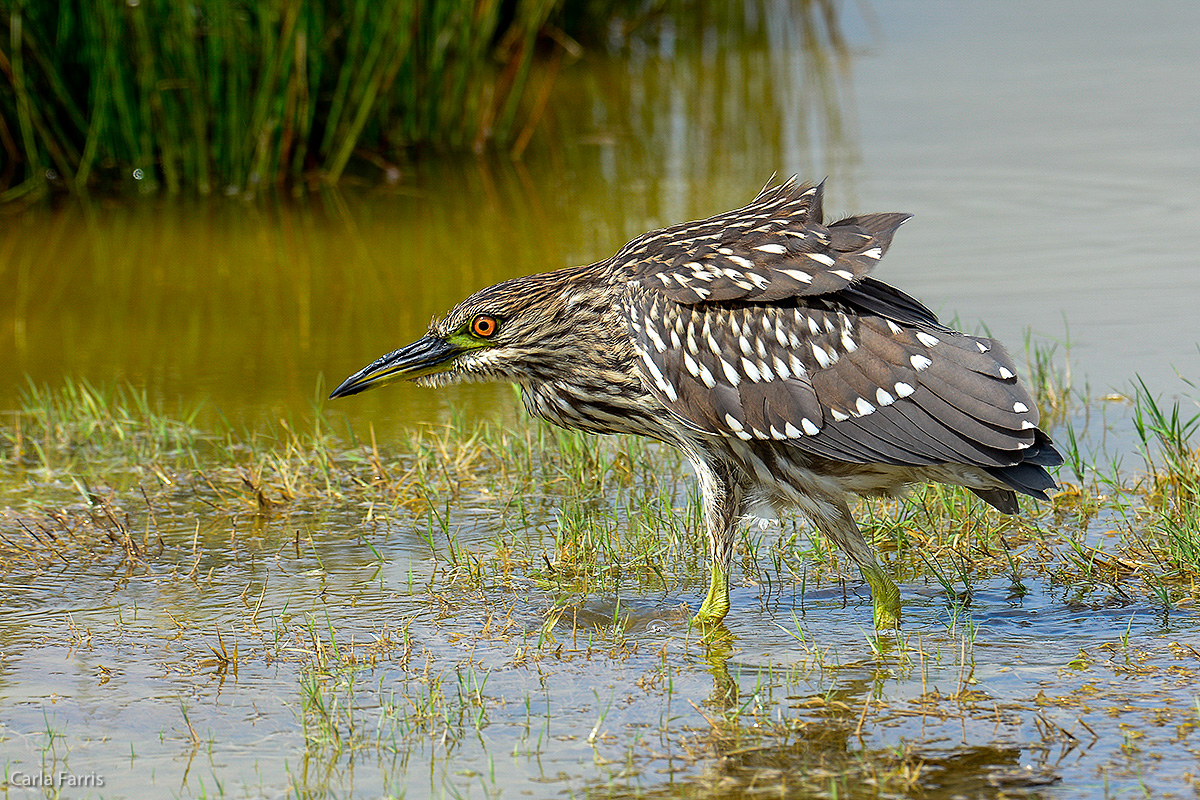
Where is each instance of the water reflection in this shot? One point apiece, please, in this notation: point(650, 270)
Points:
point(716, 103)
point(254, 305)
point(245, 306)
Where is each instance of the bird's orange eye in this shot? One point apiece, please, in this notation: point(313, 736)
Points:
point(485, 327)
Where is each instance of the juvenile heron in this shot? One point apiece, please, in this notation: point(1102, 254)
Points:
point(756, 342)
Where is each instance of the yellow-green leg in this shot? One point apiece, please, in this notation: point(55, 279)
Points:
point(885, 596)
point(716, 605)
point(723, 501)
point(835, 522)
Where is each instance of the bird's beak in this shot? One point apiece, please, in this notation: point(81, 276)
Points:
point(423, 357)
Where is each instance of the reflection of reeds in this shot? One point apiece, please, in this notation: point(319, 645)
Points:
point(730, 91)
point(221, 94)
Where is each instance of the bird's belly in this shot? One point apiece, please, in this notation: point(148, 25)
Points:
point(790, 474)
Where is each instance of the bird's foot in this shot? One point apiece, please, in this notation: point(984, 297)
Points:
point(885, 596)
point(716, 605)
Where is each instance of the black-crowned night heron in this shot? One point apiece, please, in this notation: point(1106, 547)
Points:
point(755, 342)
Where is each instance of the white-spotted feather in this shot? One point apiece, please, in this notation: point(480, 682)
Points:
point(781, 336)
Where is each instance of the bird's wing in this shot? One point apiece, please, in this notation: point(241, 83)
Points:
point(762, 323)
point(844, 384)
point(775, 247)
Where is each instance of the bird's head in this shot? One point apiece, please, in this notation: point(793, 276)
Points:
point(503, 332)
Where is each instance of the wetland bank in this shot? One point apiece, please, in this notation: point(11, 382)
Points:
point(214, 584)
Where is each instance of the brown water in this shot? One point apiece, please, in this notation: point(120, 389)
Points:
point(1052, 160)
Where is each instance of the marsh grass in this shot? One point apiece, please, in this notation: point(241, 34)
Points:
point(229, 96)
point(381, 694)
point(1172, 480)
point(241, 98)
point(84, 422)
point(1048, 367)
point(577, 515)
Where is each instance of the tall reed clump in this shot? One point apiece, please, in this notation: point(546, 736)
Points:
point(229, 95)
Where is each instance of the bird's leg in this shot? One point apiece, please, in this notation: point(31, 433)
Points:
point(835, 522)
point(722, 503)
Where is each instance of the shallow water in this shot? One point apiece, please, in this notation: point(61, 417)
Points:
point(365, 666)
point(1052, 164)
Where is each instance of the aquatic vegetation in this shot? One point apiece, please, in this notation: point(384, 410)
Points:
point(578, 512)
point(474, 603)
point(226, 96)
point(1173, 481)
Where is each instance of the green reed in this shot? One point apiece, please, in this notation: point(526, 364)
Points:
point(1173, 475)
point(82, 421)
point(228, 95)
